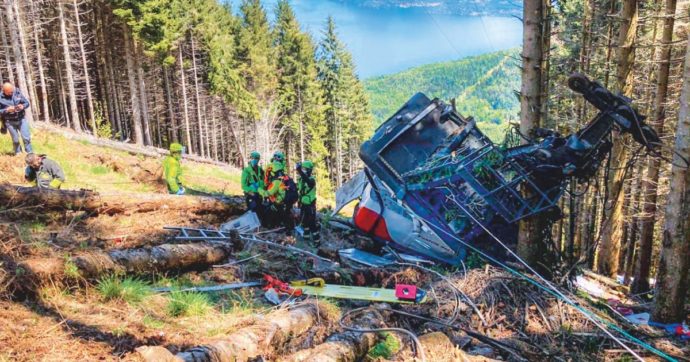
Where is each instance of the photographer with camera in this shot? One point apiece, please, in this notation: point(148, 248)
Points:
point(13, 107)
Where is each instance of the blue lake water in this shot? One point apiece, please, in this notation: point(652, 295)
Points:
point(388, 40)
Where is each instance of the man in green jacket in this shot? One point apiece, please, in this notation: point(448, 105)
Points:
point(172, 169)
point(43, 172)
point(274, 193)
point(252, 181)
point(306, 191)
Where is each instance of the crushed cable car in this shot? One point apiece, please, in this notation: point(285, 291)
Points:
point(433, 183)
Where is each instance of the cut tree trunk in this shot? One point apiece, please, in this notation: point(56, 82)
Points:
point(83, 200)
point(260, 339)
point(342, 347)
point(145, 261)
point(161, 258)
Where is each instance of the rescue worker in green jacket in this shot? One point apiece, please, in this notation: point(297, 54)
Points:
point(306, 191)
point(252, 181)
point(43, 172)
point(277, 211)
point(172, 170)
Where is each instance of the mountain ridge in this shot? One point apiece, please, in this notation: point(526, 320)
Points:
point(483, 86)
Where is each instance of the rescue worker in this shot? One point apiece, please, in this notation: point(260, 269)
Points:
point(276, 210)
point(44, 173)
point(252, 181)
point(172, 170)
point(13, 107)
point(306, 191)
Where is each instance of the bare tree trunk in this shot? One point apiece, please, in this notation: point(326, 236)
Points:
point(133, 90)
point(610, 243)
point(69, 74)
point(169, 105)
point(85, 68)
point(41, 72)
point(532, 230)
point(6, 46)
point(12, 25)
point(104, 80)
point(138, 55)
point(214, 128)
point(26, 61)
point(644, 260)
point(184, 103)
point(674, 261)
point(202, 149)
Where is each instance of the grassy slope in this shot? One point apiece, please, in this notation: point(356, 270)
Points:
point(106, 170)
point(483, 86)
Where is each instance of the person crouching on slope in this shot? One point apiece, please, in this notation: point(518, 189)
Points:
point(44, 173)
point(276, 207)
point(306, 189)
point(252, 181)
point(172, 170)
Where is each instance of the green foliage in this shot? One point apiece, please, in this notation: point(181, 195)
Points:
point(103, 126)
point(99, 170)
point(346, 103)
point(71, 269)
point(483, 85)
point(385, 348)
point(188, 304)
point(130, 290)
point(255, 56)
point(474, 261)
point(152, 322)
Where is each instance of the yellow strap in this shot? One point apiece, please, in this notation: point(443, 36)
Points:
point(315, 282)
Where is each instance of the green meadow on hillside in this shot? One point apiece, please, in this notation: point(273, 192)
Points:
point(484, 87)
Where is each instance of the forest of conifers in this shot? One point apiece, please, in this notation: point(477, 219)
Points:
point(157, 71)
point(633, 220)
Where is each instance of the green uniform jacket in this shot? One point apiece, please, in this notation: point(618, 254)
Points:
point(275, 191)
point(252, 180)
point(307, 193)
point(48, 176)
point(172, 172)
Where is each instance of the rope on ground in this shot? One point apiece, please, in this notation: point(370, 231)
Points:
point(549, 288)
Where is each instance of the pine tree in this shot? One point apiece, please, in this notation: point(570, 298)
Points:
point(344, 101)
point(256, 59)
point(299, 95)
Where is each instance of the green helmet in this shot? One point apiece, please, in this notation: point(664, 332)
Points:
point(308, 164)
point(277, 166)
point(176, 147)
point(279, 156)
point(255, 155)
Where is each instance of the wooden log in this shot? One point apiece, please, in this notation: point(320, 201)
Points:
point(342, 347)
point(159, 258)
point(274, 330)
point(84, 200)
point(166, 257)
